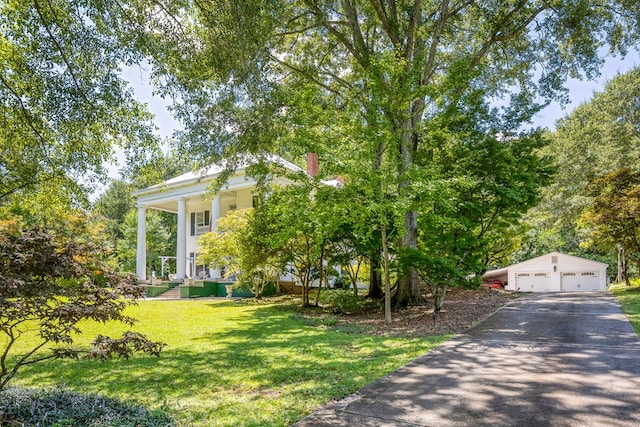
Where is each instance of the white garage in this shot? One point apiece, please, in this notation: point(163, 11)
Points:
point(553, 272)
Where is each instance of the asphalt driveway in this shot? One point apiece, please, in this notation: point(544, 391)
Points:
point(562, 359)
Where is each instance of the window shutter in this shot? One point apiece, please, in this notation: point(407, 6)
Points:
point(206, 218)
point(193, 223)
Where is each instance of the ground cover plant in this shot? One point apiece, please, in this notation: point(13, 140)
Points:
point(235, 363)
point(61, 407)
point(629, 297)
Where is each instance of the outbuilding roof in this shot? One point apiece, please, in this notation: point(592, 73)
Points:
point(502, 272)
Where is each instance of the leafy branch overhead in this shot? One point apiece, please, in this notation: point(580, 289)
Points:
point(50, 282)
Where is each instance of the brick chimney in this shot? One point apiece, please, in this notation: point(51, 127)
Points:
point(313, 166)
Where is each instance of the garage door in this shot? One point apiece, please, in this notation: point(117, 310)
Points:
point(586, 281)
point(532, 282)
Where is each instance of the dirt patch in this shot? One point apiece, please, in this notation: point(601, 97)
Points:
point(462, 309)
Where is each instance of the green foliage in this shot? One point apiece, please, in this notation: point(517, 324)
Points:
point(113, 205)
point(599, 137)
point(612, 217)
point(49, 283)
point(368, 86)
point(63, 407)
point(342, 301)
point(288, 223)
point(237, 245)
point(65, 106)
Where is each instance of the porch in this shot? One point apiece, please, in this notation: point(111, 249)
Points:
point(200, 289)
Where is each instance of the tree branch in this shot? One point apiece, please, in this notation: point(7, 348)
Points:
point(322, 18)
point(62, 54)
point(389, 28)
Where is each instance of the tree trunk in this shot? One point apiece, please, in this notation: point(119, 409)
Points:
point(320, 276)
point(375, 279)
point(625, 271)
point(387, 276)
point(408, 292)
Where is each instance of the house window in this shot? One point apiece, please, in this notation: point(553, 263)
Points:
point(200, 222)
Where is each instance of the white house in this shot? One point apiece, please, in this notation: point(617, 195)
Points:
point(553, 272)
point(190, 198)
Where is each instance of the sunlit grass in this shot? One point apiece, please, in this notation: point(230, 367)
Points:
point(629, 297)
point(234, 364)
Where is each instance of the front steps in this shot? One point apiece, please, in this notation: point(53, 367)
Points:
point(173, 293)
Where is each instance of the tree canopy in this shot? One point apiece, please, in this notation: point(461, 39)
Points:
point(613, 216)
point(65, 107)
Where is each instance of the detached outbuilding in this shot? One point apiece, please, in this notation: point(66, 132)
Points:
point(553, 272)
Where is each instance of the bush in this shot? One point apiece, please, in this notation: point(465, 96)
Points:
point(341, 301)
point(62, 407)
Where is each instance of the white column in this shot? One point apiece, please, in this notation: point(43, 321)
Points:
point(141, 248)
point(215, 273)
point(215, 212)
point(181, 247)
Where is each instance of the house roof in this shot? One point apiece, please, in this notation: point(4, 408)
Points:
point(212, 171)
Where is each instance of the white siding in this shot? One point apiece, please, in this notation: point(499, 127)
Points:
point(592, 274)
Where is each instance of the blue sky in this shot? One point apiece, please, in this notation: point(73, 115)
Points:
point(581, 91)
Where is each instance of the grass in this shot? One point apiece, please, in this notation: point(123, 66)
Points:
point(234, 364)
point(629, 297)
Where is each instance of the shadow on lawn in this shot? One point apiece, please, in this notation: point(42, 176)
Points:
point(271, 357)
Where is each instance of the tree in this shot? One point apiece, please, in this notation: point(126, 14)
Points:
point(49, 283)
point(277, 74)
point(236, 246)
point(614, 214)
point(114, 205)
point(64, 104)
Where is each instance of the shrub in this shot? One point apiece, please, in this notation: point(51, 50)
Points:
point(341, 301)
point(52, 281)
point(63, 407)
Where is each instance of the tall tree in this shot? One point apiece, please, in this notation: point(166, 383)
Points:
point(268, 74)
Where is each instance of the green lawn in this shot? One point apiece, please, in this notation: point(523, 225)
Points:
point(630, 300)
point(235, 364)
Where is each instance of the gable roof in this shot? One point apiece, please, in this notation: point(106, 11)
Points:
point(559, 254)
point(214, 170)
